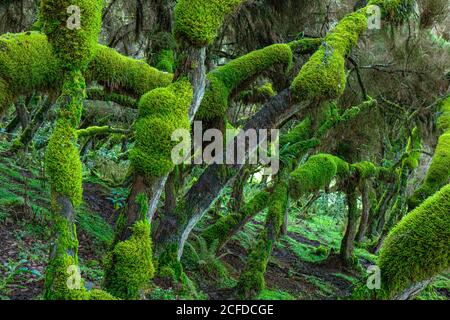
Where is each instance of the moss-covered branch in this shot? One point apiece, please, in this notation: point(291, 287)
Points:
point(198, 21)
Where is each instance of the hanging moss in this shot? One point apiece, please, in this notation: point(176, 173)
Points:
point(197, 21)
point(413, 150)
point(161, 112)
point(317, 173)
point(418, 247)
point(223, 80)
point(324, 74)
point(74, 47)
point(130, 266)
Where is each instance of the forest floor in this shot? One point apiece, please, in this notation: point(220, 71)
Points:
point(300, 266)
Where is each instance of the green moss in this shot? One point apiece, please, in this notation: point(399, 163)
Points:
point(413, 149)
point(444, 117)
point(64, 257)
point(438, 173)
point(365, 170)
point(115, 70)
point(227, 225)
point(26, 64)
point(161, 112)
point(165, 60)
point(197, 21)
point(63, 163)
point(130, 265)
point(323, 76)
point(101, 295)
point(251, 281)
point(300, 132)
point(74, 47)
point(62, 158)
point(317, 173)
point(418, 247)
point(223, 80)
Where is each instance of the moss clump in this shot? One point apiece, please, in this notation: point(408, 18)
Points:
point(444, 117)
point(413, 150)
point(418, 247)
point(300, 132)
point(197, 21)
point(317, 173)
point(165, 61)
point(323, 76)
point(439, 171)
point(161, 112)
point(251, 281)
point(395, 11)
point(130, 265)
point(114, 70)
point(223, 80)
point(226, 226)
point(26, 64)
point(73, 46)
point(62, 157)
point(5, 96)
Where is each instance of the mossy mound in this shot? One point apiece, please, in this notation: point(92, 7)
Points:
point(161, 112)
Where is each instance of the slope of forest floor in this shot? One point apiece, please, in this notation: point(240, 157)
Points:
point(298, 269)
